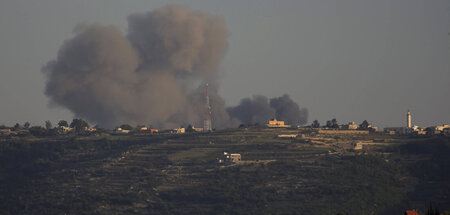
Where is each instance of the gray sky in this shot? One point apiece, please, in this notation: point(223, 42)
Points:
point(348, 59)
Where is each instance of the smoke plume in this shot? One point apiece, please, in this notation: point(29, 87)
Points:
point(149, 76)
point(143, 78)
point(286, 109)
point(258, 110)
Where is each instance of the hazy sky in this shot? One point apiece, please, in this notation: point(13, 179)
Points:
point(348, 59)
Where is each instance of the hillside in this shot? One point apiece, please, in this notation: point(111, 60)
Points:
point(178, 174)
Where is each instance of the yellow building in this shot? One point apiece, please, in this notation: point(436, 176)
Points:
point(277, 124)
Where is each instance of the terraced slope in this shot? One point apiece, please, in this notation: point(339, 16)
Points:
point(178, 174)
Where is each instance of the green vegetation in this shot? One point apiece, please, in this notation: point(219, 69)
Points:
point(178, 174)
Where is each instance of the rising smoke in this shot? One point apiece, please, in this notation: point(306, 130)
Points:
point(149, 75)
point(259, 109)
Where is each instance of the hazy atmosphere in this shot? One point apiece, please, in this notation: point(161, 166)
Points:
point(349, 60)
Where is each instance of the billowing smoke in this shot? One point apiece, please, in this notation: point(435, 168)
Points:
point(288, 110)
point(143, 78)
point(258, 110)
point(149, 76)
point(252, 110)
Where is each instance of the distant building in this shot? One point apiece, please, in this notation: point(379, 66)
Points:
point(408, 119)
point(372, 128)
point(395, 130)
point(409, 212)
point(146, 129)
point(441, 128)
point(198, 129)
point(121, 131)
point(287, 135)
point(277, 124)
point(179, 130)
point(231, 158)
point(5, 131)
point(152, 130)
point(357, 146)
point(89, 129)
point(350, 126)
point(64, 129)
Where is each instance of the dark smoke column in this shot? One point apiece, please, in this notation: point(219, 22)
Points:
point(207, 121)
point(145, 77)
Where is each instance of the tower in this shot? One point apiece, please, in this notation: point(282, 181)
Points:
point(207, 121)
point(408, 119)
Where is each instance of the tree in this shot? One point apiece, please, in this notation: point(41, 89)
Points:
point(364, 125)
point(189, 128)
point(315, 124)
point(79, 124)
point(17, 126)
point(48, 125)
point(126, 127)
point(26, 125)
point(329, 124)
point(432, 211)
point(334, 123)
point(38, 131)
point(63, 123)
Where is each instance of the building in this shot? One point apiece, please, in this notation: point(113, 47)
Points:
point(372, 128)
point(350, 126)
point(197, 129)
point(409, 212)
point(441, 128)
point(408, 129)
point(121, 131)
point(357, 146)
point(87, 129)
point(146, 129)
point(274, 123)
point(207, 126)
point(5, 131)
point(179, 130)
point(231, 158)
point(64, 129)
point(395, 130)
point(152, 130)
point(408, 120)
point(287, 135)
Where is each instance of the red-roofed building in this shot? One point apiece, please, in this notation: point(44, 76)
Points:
point(411, 213)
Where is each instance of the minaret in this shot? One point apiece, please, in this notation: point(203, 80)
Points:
point(408, 119)
point(207, 121)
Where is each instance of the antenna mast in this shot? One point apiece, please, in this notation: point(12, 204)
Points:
point(207, 121)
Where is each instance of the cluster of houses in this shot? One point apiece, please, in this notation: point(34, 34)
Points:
point(409, 129)
point(349, 128)
point(183, 130)
point(353, 128)
point(141, 129)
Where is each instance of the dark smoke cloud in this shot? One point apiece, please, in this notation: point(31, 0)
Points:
point(144, 78)
point(179, 40)
point(149, 75)
point(252, 110)
point(259, 110)
point(287, 110)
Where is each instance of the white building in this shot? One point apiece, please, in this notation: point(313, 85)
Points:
point(408, 119)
